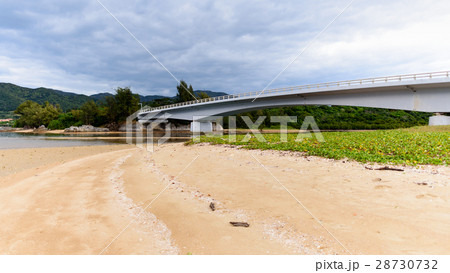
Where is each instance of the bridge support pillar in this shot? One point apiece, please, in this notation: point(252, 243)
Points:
point(202, 126)
point(439, 119)
point(206, 126)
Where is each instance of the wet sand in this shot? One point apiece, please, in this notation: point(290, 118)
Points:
point(126, 200)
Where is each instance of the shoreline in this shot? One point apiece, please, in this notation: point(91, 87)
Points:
point(75, 200)
point(112, 137)
point(238, 131)
point(20, 160)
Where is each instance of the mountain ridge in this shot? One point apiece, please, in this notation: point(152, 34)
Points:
point(13, 95)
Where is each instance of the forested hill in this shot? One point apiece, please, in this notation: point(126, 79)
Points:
point(210, 93)
point(11, 96)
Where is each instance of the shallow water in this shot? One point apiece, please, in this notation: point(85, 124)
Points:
point(10, 140)
point(19, 141)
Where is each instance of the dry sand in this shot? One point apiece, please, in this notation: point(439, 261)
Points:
point(92, 200)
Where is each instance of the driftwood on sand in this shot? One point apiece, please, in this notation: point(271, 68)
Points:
point(240, 224)
point(385, 168)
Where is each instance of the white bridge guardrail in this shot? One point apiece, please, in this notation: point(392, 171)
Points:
point(432, 75)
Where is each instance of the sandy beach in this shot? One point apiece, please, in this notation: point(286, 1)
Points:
point(120, 199)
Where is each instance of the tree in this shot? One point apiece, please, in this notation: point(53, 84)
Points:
point(32, 114)
point(122, 105)
point(89, 112)
point(49, 113)
point(111, 109)
point(185, 93)
point(127, 102)
point(161, 102)
point(202, 95)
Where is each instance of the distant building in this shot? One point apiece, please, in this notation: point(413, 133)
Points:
point(6, 120)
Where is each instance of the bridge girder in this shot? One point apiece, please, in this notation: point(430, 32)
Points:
point(427, 96)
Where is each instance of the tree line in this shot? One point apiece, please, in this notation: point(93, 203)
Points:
point(110, 113)
point(339, 117)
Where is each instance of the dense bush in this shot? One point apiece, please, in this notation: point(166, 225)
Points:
point(32, 114)
point(64, 121)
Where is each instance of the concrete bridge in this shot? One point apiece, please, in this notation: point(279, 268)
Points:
point(424, 92)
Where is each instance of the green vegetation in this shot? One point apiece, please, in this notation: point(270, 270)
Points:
point(186, 93)
point(7, 118)
point(64, 121)
point(13, 95)
point(122, 105)
point(109, 114)
point(340, 117)
point(202, 95)
point(414, 147)
point(6, 114)
point(160, 102)
point(32, 114)
point(102, 109)
point(89, 111)
point(6, 123)
point(418, 129)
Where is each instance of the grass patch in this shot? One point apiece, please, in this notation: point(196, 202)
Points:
point(418, 129)
point(416, 146)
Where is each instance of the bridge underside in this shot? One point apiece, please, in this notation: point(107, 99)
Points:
point(423, 98)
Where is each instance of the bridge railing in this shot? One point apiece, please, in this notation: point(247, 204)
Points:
point(399, 78)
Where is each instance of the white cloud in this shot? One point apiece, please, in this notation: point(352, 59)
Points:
point(223, 46)
point(34, 74)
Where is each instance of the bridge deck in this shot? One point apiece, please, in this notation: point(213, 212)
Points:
point(400, 80)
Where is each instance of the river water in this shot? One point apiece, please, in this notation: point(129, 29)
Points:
point(10, 140)
point(19, 141)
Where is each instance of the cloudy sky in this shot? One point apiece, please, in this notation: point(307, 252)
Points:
point(228, 46)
